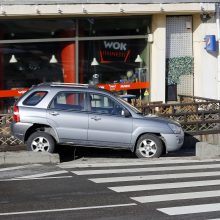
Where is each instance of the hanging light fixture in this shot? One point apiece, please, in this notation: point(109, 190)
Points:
point(94, 62)
point(13, 59)
point(53, 59)
point(138, 59)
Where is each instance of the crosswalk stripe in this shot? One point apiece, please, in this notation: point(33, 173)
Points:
point(177, 196)
point(183, 210)
point(154, 177)
point(148, 169)
point(173, 185)
point(131, 162)
point(43, 174)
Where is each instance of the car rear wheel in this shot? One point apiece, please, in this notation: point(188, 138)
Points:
point(149, 146)
point(41, 142)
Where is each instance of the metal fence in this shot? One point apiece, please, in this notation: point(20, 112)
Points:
point(197, 116)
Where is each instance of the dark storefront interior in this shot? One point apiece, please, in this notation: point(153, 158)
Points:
point(85, 50)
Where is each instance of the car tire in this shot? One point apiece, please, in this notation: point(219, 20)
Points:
point(149, 146)
point(41, 142)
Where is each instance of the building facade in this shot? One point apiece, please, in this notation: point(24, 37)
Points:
point(153, 49)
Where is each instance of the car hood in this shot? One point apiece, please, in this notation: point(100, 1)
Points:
point(161, 119)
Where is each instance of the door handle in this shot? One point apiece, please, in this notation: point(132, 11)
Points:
point(54, 113)
point(96, 118)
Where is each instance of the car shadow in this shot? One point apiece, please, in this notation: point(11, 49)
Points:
point(70, 153)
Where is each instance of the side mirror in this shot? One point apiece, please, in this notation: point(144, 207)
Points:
point(125, 113)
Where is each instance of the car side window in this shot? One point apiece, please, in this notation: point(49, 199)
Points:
point(34, 98)
point(69, 101)
point(104, 105)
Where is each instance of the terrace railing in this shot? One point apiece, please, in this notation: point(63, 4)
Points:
point(197, 115)
point(5, 132)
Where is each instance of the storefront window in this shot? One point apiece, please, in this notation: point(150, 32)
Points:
point(37, 28)
point(113, 26)
point(102, 51)
point(24, 65)
point(114, 61)
point(28, 64)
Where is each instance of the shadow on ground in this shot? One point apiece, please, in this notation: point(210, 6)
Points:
point(69, 153)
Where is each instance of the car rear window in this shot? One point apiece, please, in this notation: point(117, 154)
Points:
point(34, 98)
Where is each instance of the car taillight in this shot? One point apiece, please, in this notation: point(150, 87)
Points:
point(16, 115)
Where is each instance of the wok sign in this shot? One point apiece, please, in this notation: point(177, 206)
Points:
point(114, 51)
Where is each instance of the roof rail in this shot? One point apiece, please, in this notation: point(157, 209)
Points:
point(68, 84)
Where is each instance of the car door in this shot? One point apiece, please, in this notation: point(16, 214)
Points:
point(68, 116)
point(107, 125)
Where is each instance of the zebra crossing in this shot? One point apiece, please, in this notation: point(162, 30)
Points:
point(188, 181)
point(171, 187)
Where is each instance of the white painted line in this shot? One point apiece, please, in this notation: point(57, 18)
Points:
point(19, 167)
point(153, 177)
point(40, 178)
point(214, 219)
point(43, 174)
point(49, 177)
point(132, 162)
point(66, 209)
point(148, 169)
point(174, 185)
point(177, 196)
point(182, 210)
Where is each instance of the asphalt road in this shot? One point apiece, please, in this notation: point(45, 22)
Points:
point(116, 188)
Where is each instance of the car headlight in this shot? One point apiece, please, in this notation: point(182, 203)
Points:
point(176, 129)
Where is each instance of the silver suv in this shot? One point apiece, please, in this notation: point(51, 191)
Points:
point(82, 115)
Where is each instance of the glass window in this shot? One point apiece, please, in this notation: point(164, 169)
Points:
point(104, 105)
point(69, 101)
point(112, 26)
point(24, 65)
point(37, 28)
point(115, 60)
point(34, 98)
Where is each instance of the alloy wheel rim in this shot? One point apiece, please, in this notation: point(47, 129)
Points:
point(147, 148)
point(40, 144)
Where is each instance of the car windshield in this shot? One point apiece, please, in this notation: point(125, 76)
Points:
point(130, 106)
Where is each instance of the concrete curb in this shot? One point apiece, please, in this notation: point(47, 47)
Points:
point(205, 150)
point(28, 157)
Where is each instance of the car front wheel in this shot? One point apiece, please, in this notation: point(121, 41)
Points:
point(149, 146)
point(41, 142)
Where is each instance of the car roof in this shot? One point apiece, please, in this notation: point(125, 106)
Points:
point(58, 85)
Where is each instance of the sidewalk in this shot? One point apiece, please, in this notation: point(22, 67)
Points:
point(18, 154)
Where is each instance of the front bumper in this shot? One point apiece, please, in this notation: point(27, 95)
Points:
point(19, 130)
point(173, 142)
